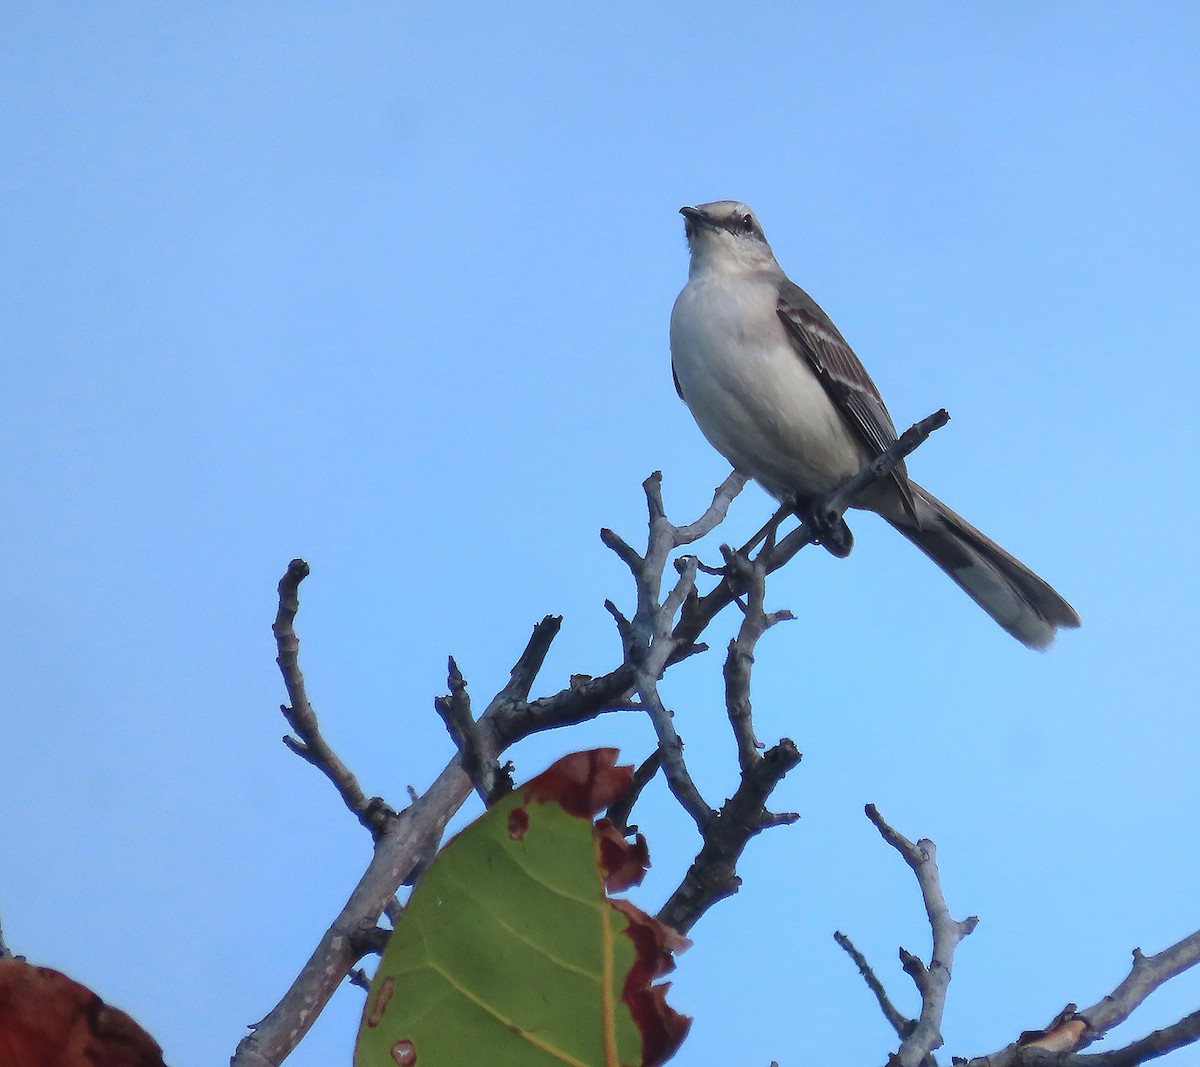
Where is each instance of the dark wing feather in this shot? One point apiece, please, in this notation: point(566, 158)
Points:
point(845, 379)
point(675, 379)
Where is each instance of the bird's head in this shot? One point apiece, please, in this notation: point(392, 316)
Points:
point(725, 235)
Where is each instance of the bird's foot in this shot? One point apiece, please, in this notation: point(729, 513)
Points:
point(829, 529)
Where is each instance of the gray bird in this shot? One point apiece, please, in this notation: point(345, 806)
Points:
point(780, 394)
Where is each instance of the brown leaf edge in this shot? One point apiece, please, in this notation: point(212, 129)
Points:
point(624, 863)
point(662, 1027)
point(48, 1018)
point(584, 783)
point(581, 782)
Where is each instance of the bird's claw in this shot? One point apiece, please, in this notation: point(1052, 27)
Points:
point(829, 529)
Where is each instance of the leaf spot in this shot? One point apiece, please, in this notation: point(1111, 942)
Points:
point(381, 1001)
point(404, 1052)
point(518, 823)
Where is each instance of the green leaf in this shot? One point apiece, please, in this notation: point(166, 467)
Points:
point(510, 953)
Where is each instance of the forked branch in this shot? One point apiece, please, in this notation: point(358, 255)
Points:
point(1057, 1045)
point(665, 629)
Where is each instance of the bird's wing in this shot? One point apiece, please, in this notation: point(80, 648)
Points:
point(845, 379)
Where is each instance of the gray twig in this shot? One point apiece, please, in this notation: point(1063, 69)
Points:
point(620, 809)
point(1059, 1044)
point(932, 980)
point(895, 1018)
point(529, 663)
point(834, 505)
point(455, 710)
point(372, 812)
point(1146, 974)
point(739, 659)
point(713, 873)
point(648, 639)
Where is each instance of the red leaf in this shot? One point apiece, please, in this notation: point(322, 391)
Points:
point(624, 862)
point(663, 1028)
point(48, 1020)
point(582, 782)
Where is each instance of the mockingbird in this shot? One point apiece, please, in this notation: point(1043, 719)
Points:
point(780, 394)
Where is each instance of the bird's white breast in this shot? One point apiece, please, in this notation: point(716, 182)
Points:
point(753, 396)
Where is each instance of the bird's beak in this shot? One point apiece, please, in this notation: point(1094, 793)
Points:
point(693, 214)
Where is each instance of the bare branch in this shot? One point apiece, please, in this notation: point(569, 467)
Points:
point(834, 505)
point(740, 658)
point(714, 515)
point(373, 813)
point(898, 1022)
point(529, 663)
point(670, 750)
point(397, 850)
point(1159, 1043)
point(1072, 1030)
point(455, 710)
point(5, 951)
point(1146, 975)
point(651, 641)
point(624, 627)
point(404, 839)
point(649, 644)
point(713, 873)
point(620, 809)
point(933, 980)
point(584, 698)
point(624, 553)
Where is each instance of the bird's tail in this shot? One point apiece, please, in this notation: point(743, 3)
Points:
point(1021, 602)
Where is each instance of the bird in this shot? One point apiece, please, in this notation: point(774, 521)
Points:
point(775, 388)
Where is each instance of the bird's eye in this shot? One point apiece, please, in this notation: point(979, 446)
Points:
point(748, 223)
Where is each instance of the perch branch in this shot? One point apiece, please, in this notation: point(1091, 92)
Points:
point(835, 505)
point(700, 611)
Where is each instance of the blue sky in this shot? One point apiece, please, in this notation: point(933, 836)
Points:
point(387, 287)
